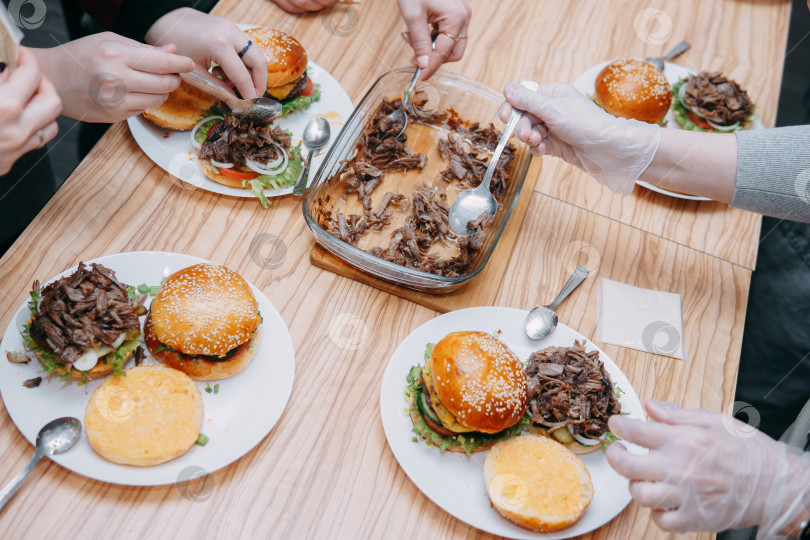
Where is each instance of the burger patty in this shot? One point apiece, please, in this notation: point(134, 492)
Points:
point(300, 84)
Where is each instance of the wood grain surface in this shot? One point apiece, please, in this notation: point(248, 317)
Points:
point(325, 470)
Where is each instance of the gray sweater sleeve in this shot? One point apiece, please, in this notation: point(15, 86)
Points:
point(773, 172)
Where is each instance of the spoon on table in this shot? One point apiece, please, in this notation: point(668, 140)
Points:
point(316, 135)
point(676, 50)
point(542, 320)
point(55, 437)
point(259, 110)
point(470, 204)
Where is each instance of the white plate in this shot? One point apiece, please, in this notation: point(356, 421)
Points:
point(172, 150)
point(235, 419)
point(455, 482)
point(673, 72)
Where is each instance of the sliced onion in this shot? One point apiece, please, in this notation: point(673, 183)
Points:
point(196, 128)
point(219, 165)
point(718, 127)
point(270, 172)
point(585, 441)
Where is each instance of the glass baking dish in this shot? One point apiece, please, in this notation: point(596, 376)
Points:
point(473, 101)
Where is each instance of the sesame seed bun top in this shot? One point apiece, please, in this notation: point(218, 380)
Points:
point(633, 89)
point(286, 58)
point(204, 309)
point(479, 380)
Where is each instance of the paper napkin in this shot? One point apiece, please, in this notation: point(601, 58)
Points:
point(642, 319)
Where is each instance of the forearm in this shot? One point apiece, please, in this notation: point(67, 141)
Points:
point(702, 164)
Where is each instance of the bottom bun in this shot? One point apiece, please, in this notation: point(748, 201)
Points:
point(151, 416)
point(212, 174)
point(417, 417)
point(199, 368)
point(537, 483)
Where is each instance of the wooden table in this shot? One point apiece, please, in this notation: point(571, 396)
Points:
point(326, 470)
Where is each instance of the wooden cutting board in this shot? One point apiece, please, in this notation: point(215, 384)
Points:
point(479, 291)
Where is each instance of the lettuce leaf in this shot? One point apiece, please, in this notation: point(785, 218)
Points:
point(278, 181)
point(301, 102)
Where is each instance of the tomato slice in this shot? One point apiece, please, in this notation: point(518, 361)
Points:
point(308, 89)
point(238, 175)
point(697, 120)
point(208, 133)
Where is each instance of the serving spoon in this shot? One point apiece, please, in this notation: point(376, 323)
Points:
point(542, 320)
point(400, 115)
point(260, 110)
point(678, 49)
point(316, 135)
point(55, 437)
point(470, 204)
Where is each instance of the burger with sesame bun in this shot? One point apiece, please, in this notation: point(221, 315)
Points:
point(204, 321)
point(287, 79)
point(470, 394)
point(633, 89)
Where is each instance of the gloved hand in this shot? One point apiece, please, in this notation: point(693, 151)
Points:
point(29, 106)
point(106, 77)
point(709, 472)
point(564, 123)
point(207, 38)
point(450, 17)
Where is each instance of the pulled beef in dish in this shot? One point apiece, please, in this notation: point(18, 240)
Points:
point(570, 386)
point(468, 167)
point(235, 141)
point(89, 308)
point(717, 98)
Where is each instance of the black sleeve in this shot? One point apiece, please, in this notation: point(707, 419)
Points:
point(130, 18)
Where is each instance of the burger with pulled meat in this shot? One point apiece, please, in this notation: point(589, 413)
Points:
point(571, 397)
point(470, 394)
point(204, 321)
point(711, 102)
point(85, 325)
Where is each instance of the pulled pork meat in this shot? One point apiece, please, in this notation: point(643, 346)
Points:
point(89, 308)
point(235, 141)
point(468, 167)
point(570, 387)
point(717, 98)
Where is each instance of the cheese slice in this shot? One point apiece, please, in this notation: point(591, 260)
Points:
point(281, 92)
point(447, 418)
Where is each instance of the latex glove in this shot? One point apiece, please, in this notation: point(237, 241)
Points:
point(303, 6)
point(29, 106)
point(564, 123)
point(207, 38)
point(709, 472)
point(106, 77)
point(450, 17)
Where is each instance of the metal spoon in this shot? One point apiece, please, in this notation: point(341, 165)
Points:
point(259, 110)
point(676, 50)
point(400, 115)
point(542, 320)
point(470, 204)
point(316, 135)
point(55, 437)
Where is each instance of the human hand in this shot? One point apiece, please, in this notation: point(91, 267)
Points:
point(709, 472)
point(106, 77)
point(29, 106)
point(303, 6)
point(451, 18)
point(562, 122)
point(207, 38)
